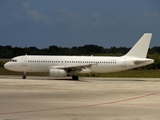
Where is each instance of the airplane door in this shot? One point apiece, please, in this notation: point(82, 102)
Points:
point(24, 60)
point(123, 63)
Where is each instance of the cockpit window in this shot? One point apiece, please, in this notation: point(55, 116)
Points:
point(13, 60)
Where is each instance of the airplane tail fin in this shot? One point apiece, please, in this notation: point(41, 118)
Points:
point(140, 49)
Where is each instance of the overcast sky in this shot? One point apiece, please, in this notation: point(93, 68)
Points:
point(68, 23)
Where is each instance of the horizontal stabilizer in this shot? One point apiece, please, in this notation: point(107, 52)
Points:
point(138, 62)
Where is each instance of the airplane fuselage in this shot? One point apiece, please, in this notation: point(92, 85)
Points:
point(30, 63)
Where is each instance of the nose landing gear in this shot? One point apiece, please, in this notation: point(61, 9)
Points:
point(24, 75)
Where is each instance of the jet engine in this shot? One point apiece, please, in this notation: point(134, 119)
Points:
point(58, 73)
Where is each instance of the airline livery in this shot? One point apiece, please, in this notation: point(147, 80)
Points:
point(61, 66)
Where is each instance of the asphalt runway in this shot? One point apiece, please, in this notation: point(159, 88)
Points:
point(46, 98)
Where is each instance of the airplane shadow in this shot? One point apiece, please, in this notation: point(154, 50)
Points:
point(55, 79)
point(81, 79)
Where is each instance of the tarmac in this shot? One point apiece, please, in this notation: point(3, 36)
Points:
point(47, 98)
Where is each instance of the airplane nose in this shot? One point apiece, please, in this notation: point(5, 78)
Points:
point(6, 65)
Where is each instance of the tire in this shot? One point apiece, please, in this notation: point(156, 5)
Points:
point(23, 77)
point(74, 77)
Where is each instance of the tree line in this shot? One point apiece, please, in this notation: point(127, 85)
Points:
point(10, 52)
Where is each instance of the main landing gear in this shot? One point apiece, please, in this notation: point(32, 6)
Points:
point(74, 77)
point(24, 75)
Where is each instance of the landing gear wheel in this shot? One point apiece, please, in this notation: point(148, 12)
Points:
point(23, 77)
point(74, 77)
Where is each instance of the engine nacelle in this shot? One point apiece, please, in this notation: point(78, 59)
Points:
point(58, 73)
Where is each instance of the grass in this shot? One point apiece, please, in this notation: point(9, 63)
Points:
point(128, 73)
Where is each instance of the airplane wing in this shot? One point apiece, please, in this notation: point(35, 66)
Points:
point(74, 67)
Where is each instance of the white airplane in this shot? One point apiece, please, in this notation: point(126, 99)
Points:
point(61, 66)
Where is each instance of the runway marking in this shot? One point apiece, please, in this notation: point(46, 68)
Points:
point(83, 106)
point(142, 104)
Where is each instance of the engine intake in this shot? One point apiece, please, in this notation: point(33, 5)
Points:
point(58, 73)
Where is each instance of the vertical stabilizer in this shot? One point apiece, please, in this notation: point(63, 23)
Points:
point(140, 49)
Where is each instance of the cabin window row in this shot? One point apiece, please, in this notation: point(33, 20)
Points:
point(72, 61)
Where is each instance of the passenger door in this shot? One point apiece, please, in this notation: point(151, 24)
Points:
point(24, 60)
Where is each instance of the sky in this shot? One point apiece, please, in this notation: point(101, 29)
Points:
point(68, 23)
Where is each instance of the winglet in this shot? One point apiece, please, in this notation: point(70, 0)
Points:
point(140, 49)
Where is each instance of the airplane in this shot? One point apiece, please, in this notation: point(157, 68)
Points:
point(62, 66)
